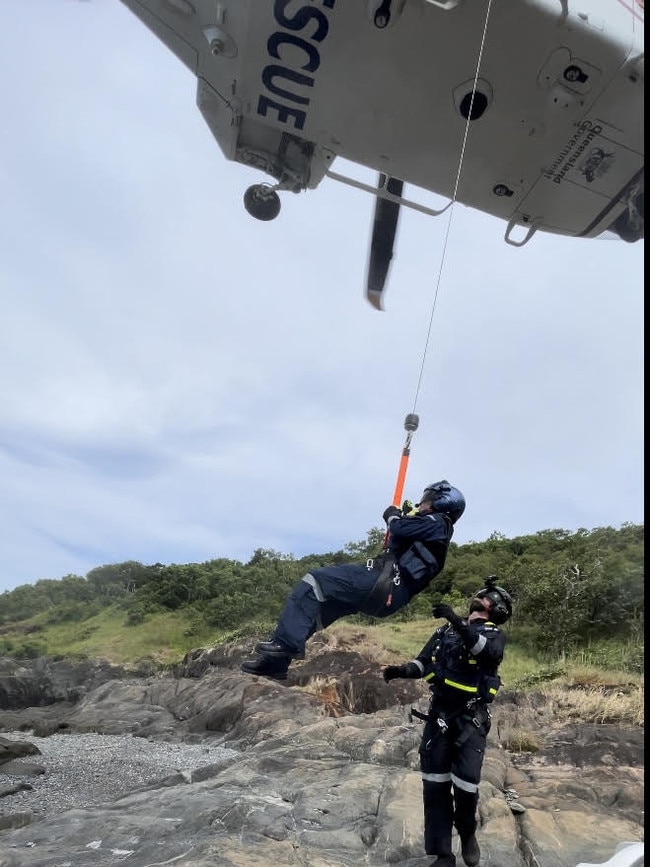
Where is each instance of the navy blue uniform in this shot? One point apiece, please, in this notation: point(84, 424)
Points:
point(325, 595)
point(462, 673)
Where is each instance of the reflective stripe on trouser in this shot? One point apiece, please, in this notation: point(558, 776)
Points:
point(444, 764)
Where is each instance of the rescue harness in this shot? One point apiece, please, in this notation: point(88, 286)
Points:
point(469, 714)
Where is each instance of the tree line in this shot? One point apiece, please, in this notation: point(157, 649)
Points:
point(570, 589)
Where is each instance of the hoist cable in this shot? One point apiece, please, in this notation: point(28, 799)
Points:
point(453, 202)
point(412, 420)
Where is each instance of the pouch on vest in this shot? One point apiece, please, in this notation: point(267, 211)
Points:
point(419, 565)
point(382, 590)
point(489, 686)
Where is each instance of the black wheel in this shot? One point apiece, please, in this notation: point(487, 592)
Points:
point(627, 229)
point(382, 15)
point(262, 202)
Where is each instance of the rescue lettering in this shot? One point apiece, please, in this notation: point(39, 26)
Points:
point(287, 80)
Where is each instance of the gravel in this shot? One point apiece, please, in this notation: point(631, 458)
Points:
point(86, 770)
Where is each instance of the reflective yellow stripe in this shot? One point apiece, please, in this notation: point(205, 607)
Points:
point(461, 686)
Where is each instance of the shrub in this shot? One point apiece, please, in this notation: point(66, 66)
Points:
point(521, 741)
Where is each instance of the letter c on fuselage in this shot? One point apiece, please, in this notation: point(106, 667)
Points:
point(277, 39)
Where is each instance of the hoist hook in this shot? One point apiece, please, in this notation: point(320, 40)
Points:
point(411, 423)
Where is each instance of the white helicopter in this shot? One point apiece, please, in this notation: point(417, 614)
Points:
point(529, 110)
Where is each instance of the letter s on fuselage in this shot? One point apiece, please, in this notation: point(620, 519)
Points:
point(286, 81)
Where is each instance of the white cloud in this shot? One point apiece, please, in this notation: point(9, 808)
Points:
point(180, 382)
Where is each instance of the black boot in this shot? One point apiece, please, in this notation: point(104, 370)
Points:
point(444, 861)
point(267, 666)
point(471, 852)
point(277, 649)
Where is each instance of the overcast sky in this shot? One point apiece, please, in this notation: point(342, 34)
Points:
point(181, 382)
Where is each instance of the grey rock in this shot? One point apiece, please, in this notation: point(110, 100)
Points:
point(288, 778)
point(44, 681)
point(14, 820)
point(16, 749)
point(26, 769)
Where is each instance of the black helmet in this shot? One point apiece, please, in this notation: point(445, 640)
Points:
point(501, 600)
point(445, 499)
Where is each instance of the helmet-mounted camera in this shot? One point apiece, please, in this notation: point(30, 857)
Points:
point(501, 608)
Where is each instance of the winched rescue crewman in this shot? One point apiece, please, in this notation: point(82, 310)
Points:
point(415, 555)
point(460, 661)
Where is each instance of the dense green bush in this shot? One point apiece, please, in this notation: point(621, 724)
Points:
point(569, 590)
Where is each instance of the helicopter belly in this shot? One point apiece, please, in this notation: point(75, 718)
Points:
point(543, 102)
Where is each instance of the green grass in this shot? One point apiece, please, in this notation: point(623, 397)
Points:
point(163, 637)
point(578, 689)
point(394, 642)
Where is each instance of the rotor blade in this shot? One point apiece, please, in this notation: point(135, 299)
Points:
point(383, 237)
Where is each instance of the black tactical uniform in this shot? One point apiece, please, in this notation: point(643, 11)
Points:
point(460, 661)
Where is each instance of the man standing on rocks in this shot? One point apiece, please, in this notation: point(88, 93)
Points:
point(415, 553)
point(460, 661)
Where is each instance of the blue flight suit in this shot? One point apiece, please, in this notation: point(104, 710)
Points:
point(327, 594)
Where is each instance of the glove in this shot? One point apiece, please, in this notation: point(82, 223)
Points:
point(408, 508)
point(446, 611)
point(466, 631)
point(391, 512)
point(409, 669)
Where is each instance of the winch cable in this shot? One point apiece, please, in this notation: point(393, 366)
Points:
point(412, 420)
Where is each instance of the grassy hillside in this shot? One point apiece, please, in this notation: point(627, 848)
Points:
point(577, 690)
point(578, 600)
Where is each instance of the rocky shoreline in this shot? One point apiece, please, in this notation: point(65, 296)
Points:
point(266, 773)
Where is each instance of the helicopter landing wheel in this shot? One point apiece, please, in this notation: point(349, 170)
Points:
point(262, 202)
point(630, 226)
